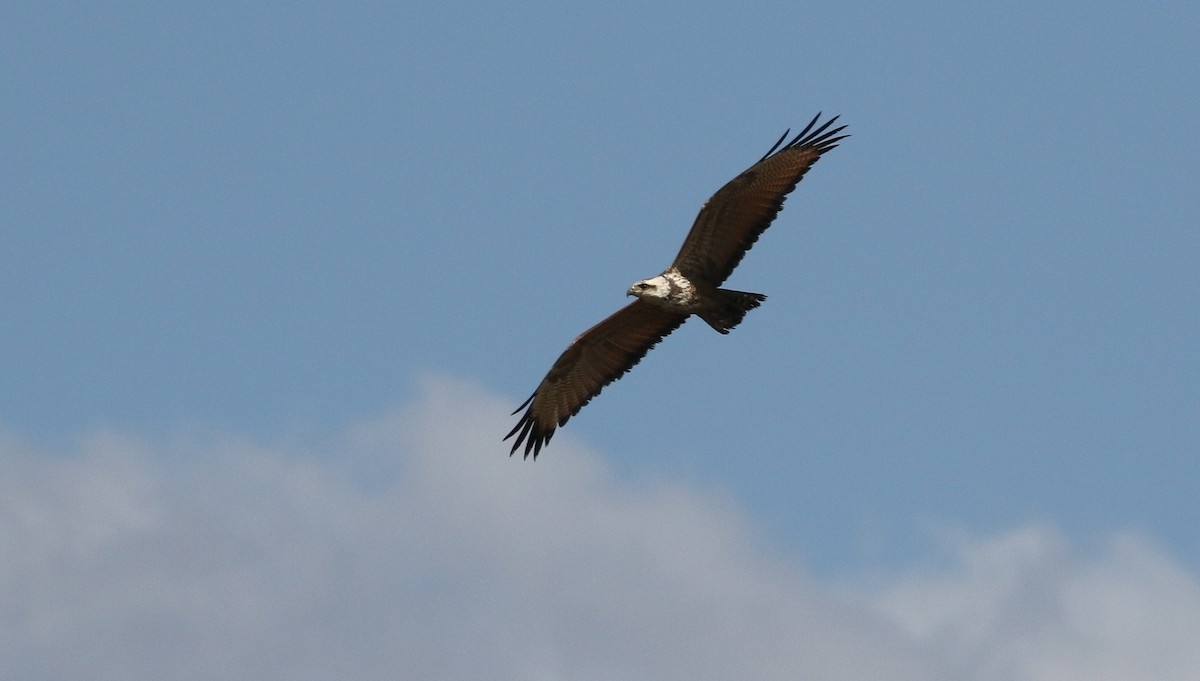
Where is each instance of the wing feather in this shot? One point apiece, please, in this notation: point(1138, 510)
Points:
point(731, 221)
point(599, 356)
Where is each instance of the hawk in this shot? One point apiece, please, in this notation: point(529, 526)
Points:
point(728, 225)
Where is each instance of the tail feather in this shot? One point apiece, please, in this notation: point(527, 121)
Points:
point(729, 309)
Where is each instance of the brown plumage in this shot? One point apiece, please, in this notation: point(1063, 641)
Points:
point(728, 225)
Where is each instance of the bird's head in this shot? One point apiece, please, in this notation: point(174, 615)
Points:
point(656, 287)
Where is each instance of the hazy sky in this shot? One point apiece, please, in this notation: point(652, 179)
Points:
point(273, 276)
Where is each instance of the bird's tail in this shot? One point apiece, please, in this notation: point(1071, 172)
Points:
point(729, 309)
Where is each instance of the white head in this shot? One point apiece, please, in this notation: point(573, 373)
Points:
point(654, 288)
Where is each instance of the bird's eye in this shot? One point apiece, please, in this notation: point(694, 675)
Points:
point(643, 285)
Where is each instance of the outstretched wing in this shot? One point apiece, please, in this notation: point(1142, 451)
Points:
point(731, 221)
point(599, 356)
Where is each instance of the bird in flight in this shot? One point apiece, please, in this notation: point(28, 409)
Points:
point(728, 225)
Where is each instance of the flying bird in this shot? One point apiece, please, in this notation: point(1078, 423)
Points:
point(728, 225)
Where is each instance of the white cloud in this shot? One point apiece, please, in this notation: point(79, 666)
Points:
point(1024, 606)
point(414, 548)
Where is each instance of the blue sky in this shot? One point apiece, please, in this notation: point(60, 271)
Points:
point(269, 228)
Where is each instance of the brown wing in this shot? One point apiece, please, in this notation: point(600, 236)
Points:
point(732, 220)
point(599, 356)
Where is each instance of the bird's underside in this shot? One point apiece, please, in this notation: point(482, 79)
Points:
point(728, 225)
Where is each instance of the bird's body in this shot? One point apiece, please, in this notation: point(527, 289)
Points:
point(728, 225)
point(671, 291)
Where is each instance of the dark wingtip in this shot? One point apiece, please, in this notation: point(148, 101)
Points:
point(529, 432)
point(822, 138)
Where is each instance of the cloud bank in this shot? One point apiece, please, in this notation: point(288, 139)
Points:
point(412, 547)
